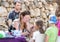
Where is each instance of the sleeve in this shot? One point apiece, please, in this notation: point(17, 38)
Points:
point(34, 36)
point(10, 16)
point(48, 32)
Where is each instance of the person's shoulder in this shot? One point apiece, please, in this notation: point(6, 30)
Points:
point(49, 28)
point(12, 11)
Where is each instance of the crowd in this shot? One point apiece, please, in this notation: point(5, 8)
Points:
point(37, 20)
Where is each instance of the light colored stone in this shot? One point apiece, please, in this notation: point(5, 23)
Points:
point(0, 0)
point(5, 4)
point(9, 9)
point(44, 15)
point(23, 7)
point(18, 1)
point(32, 12)
point(30, 0)
point(4, 0)
point(40, 4)
point(27, 3)
point(12, 5)
point(2, 22)
point(3, 11)
point(11, 1)
point(37, 12)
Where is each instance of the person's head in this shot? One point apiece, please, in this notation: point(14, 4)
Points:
point(58, 13)
point(52, 19)
point(39, 26)
point(25, 16)
point(15, 24)
point(17, 5)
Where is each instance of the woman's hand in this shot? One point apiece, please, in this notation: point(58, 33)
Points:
point(25, 33)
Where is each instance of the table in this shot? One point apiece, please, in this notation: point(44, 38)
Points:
point(19, 39)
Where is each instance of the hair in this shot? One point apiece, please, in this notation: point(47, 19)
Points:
point(22, 15)
point(57, 13)
point(39, 23)
point(25, 13)
point(17, 2)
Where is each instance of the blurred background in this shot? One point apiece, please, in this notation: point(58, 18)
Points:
point(40, 9)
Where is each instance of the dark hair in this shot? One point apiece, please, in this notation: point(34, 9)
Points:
point(57, 13)
point(39, 23)
point(23, 14)
point(17, 2)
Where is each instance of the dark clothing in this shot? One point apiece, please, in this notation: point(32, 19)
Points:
point(11, 28)
point(13, 15)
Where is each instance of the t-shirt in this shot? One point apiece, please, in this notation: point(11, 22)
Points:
point(52, 32)
point(38, 37)
point(58, 25)
point(13, 15)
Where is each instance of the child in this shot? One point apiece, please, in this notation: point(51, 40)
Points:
point(38, 35)
point(52, 31)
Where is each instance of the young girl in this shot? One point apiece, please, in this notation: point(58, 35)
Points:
point(38, 35)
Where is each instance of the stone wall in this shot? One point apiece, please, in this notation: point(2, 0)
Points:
point(40, 9)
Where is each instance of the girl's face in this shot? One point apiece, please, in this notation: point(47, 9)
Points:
point(26, 18)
